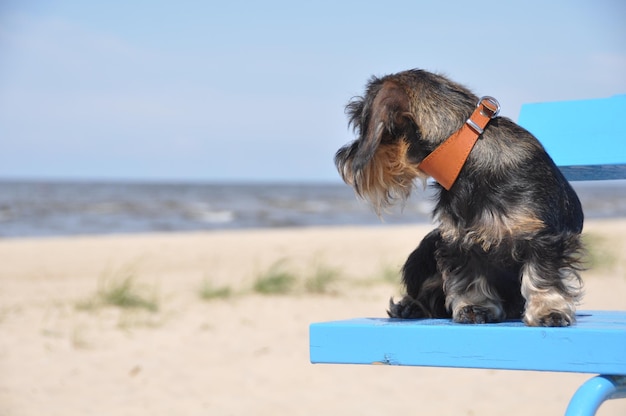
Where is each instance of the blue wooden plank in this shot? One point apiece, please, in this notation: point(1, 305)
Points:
point(580, 132)
point(593, 172)
point(596, 344)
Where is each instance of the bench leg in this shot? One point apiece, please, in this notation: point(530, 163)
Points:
point(594, 392)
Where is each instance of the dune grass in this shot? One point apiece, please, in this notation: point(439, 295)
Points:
point(600, 255)
point(208, 291)
point(276, 280)
point(119, 288)
point(386, 274)
point(389, 274)
point(280, 278)
point(125, 293)
point(322, 280)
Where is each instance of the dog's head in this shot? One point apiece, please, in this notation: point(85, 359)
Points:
point(398, 122)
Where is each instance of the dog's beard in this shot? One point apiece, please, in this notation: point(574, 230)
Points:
point(387, 179)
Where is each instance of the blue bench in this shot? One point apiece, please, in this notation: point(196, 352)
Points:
point(587, 140)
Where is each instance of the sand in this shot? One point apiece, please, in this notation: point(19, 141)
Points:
point(64, 352)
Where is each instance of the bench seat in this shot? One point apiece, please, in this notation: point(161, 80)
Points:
point(596, 344)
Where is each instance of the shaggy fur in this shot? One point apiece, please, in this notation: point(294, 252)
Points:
point(507, 243)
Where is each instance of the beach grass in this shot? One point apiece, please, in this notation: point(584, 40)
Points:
point(386, 274)
point(322, 280)
point(600, 254)
point(119, 288)
point(125, 293)
point(389, 274)
point(277, 279)
point(208, 291)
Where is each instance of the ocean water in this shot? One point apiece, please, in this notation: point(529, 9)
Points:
point(36, 209)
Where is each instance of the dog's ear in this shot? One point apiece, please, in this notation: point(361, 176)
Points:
point(381, 116)
point(379, 164)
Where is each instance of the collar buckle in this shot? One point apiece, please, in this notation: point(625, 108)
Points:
point(490, 104)
point(489, 107)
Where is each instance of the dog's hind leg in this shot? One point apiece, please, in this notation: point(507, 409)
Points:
point(469, 285)
point(473, 301)
point(423, 282)
point(545, 304)
point(551, 283)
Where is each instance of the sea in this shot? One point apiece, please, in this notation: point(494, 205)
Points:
point(64, 208)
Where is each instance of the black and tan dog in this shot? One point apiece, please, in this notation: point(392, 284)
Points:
point(507, 243)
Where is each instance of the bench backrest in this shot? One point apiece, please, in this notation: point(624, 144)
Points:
point(586, 138)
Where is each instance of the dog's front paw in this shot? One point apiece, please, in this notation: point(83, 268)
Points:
point(474, 314)
point(407, 308)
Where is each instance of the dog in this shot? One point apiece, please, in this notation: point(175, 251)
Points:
point(507, 243)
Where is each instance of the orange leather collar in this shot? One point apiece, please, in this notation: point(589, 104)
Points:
point(445, 162)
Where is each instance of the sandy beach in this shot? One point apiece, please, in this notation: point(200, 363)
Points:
point(217, 324)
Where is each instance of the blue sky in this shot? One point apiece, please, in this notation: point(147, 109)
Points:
point(240, 91)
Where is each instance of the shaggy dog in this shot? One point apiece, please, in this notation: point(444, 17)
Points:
point(507, 243)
